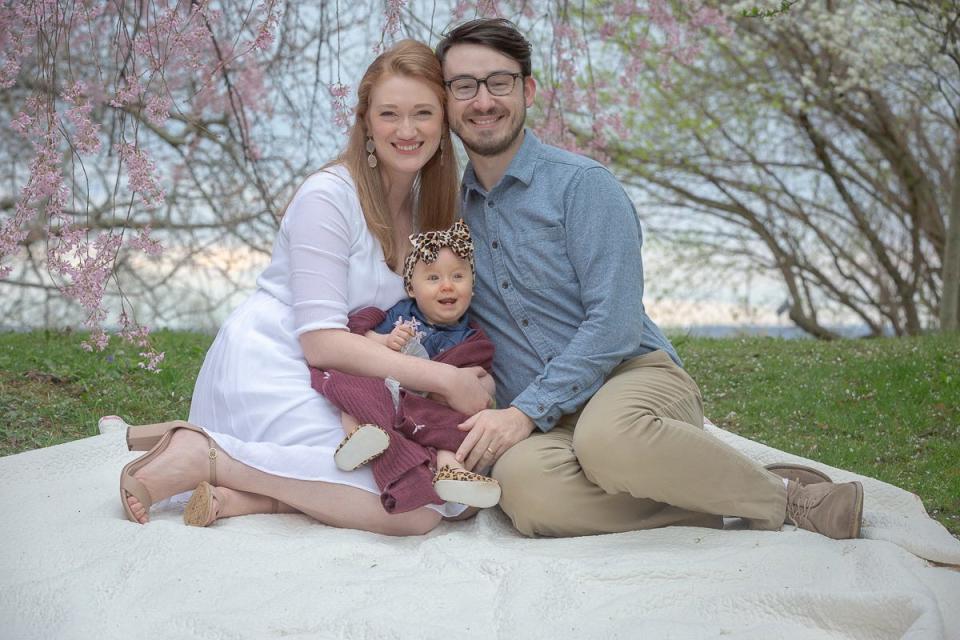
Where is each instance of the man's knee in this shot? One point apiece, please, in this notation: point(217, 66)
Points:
point(614, 443)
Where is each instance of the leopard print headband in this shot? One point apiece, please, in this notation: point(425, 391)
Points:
point(427, 245)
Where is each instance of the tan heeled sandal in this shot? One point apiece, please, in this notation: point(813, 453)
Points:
point(130, 486)
point(144, 437)
point(202, 511)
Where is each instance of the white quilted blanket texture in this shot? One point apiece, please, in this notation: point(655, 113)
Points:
point(72, 567)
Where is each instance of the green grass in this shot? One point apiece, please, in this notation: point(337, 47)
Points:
point(51, 391)
point(886, 408)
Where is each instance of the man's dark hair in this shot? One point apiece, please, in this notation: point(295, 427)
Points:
point(497, 33)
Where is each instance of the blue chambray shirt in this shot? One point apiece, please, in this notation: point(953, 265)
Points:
point(559, 285)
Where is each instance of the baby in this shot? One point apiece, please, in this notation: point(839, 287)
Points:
point(402, 433)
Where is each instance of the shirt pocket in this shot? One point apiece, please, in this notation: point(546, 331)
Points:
point(541, 259)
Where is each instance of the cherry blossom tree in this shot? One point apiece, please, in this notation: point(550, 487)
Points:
point(151, 145)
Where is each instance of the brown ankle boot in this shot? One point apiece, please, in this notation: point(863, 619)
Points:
point(833, 510)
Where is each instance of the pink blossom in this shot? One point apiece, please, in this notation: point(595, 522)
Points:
point(710, 18)
point(489, 8)
point(608, 29)
point(97, 341)
point(145, 243)
point(22, 124)
point(153, 360)
point(129, 94)
point(86, 138)
point(158, 109)
point(264, 38)
point(141, 174)
point(342, 115)
point(84, 266)
point(133, 333)
point(392, 12)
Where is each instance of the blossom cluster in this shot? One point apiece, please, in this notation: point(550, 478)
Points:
point(90, 78)
point(113, 100)
point(587, 81)
point(342, 114)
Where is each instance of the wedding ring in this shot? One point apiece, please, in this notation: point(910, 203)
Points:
point(490, 451)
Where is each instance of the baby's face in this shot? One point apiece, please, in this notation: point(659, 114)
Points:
point(442, 289)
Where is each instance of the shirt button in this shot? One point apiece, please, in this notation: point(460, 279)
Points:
point(551, 419)
point(494, 244)
point(550, 358)
point(505, 284)
point(491, 203)
point(576, 387)
point(540, 407)
point(524, 322)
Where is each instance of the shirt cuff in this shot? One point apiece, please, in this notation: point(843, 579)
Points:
point(544, 414)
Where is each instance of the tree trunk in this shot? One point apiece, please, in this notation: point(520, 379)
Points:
point(950, 300)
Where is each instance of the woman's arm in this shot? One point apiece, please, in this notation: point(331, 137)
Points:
point(396, 339)
point(461, 389)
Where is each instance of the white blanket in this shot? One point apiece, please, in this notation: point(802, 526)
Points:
point(72, 567)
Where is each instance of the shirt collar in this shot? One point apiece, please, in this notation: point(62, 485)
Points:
point(521, 167)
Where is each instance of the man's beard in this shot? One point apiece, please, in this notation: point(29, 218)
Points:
point(491, 148)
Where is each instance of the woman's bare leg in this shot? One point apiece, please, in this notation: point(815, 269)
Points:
point(185, 464)
point(230, 503)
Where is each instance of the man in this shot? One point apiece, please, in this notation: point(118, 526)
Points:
point(600, 428)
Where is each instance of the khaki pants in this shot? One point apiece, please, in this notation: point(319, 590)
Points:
point(635, 457)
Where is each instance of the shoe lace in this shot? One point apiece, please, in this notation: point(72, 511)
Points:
point(799, 509)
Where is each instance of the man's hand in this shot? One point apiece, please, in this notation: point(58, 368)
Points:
point(492, 432)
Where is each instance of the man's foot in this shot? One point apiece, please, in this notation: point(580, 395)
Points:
point(833, 510)
point(179, 467)
point(798, 473)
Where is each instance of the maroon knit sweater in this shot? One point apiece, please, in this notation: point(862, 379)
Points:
point(420, 426)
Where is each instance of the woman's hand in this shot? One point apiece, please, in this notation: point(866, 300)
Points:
point(463, 390)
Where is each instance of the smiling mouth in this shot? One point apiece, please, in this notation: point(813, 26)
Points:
point(448, 301)
point(485, 121)
point(407, 148)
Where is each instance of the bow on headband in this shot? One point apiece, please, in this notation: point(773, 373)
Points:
point(427, 245)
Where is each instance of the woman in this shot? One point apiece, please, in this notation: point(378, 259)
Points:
point(267, 438)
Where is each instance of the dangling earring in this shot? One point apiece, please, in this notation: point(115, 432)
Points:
point(372, 158)
point(441, 153)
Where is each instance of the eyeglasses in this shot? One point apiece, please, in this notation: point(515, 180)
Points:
point(498, 84)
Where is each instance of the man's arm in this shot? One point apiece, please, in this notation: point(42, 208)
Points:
point(603, 244)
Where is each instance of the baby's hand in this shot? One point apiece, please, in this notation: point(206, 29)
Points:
point(401, 335)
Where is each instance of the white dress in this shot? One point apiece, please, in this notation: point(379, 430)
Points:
point(253, 394)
